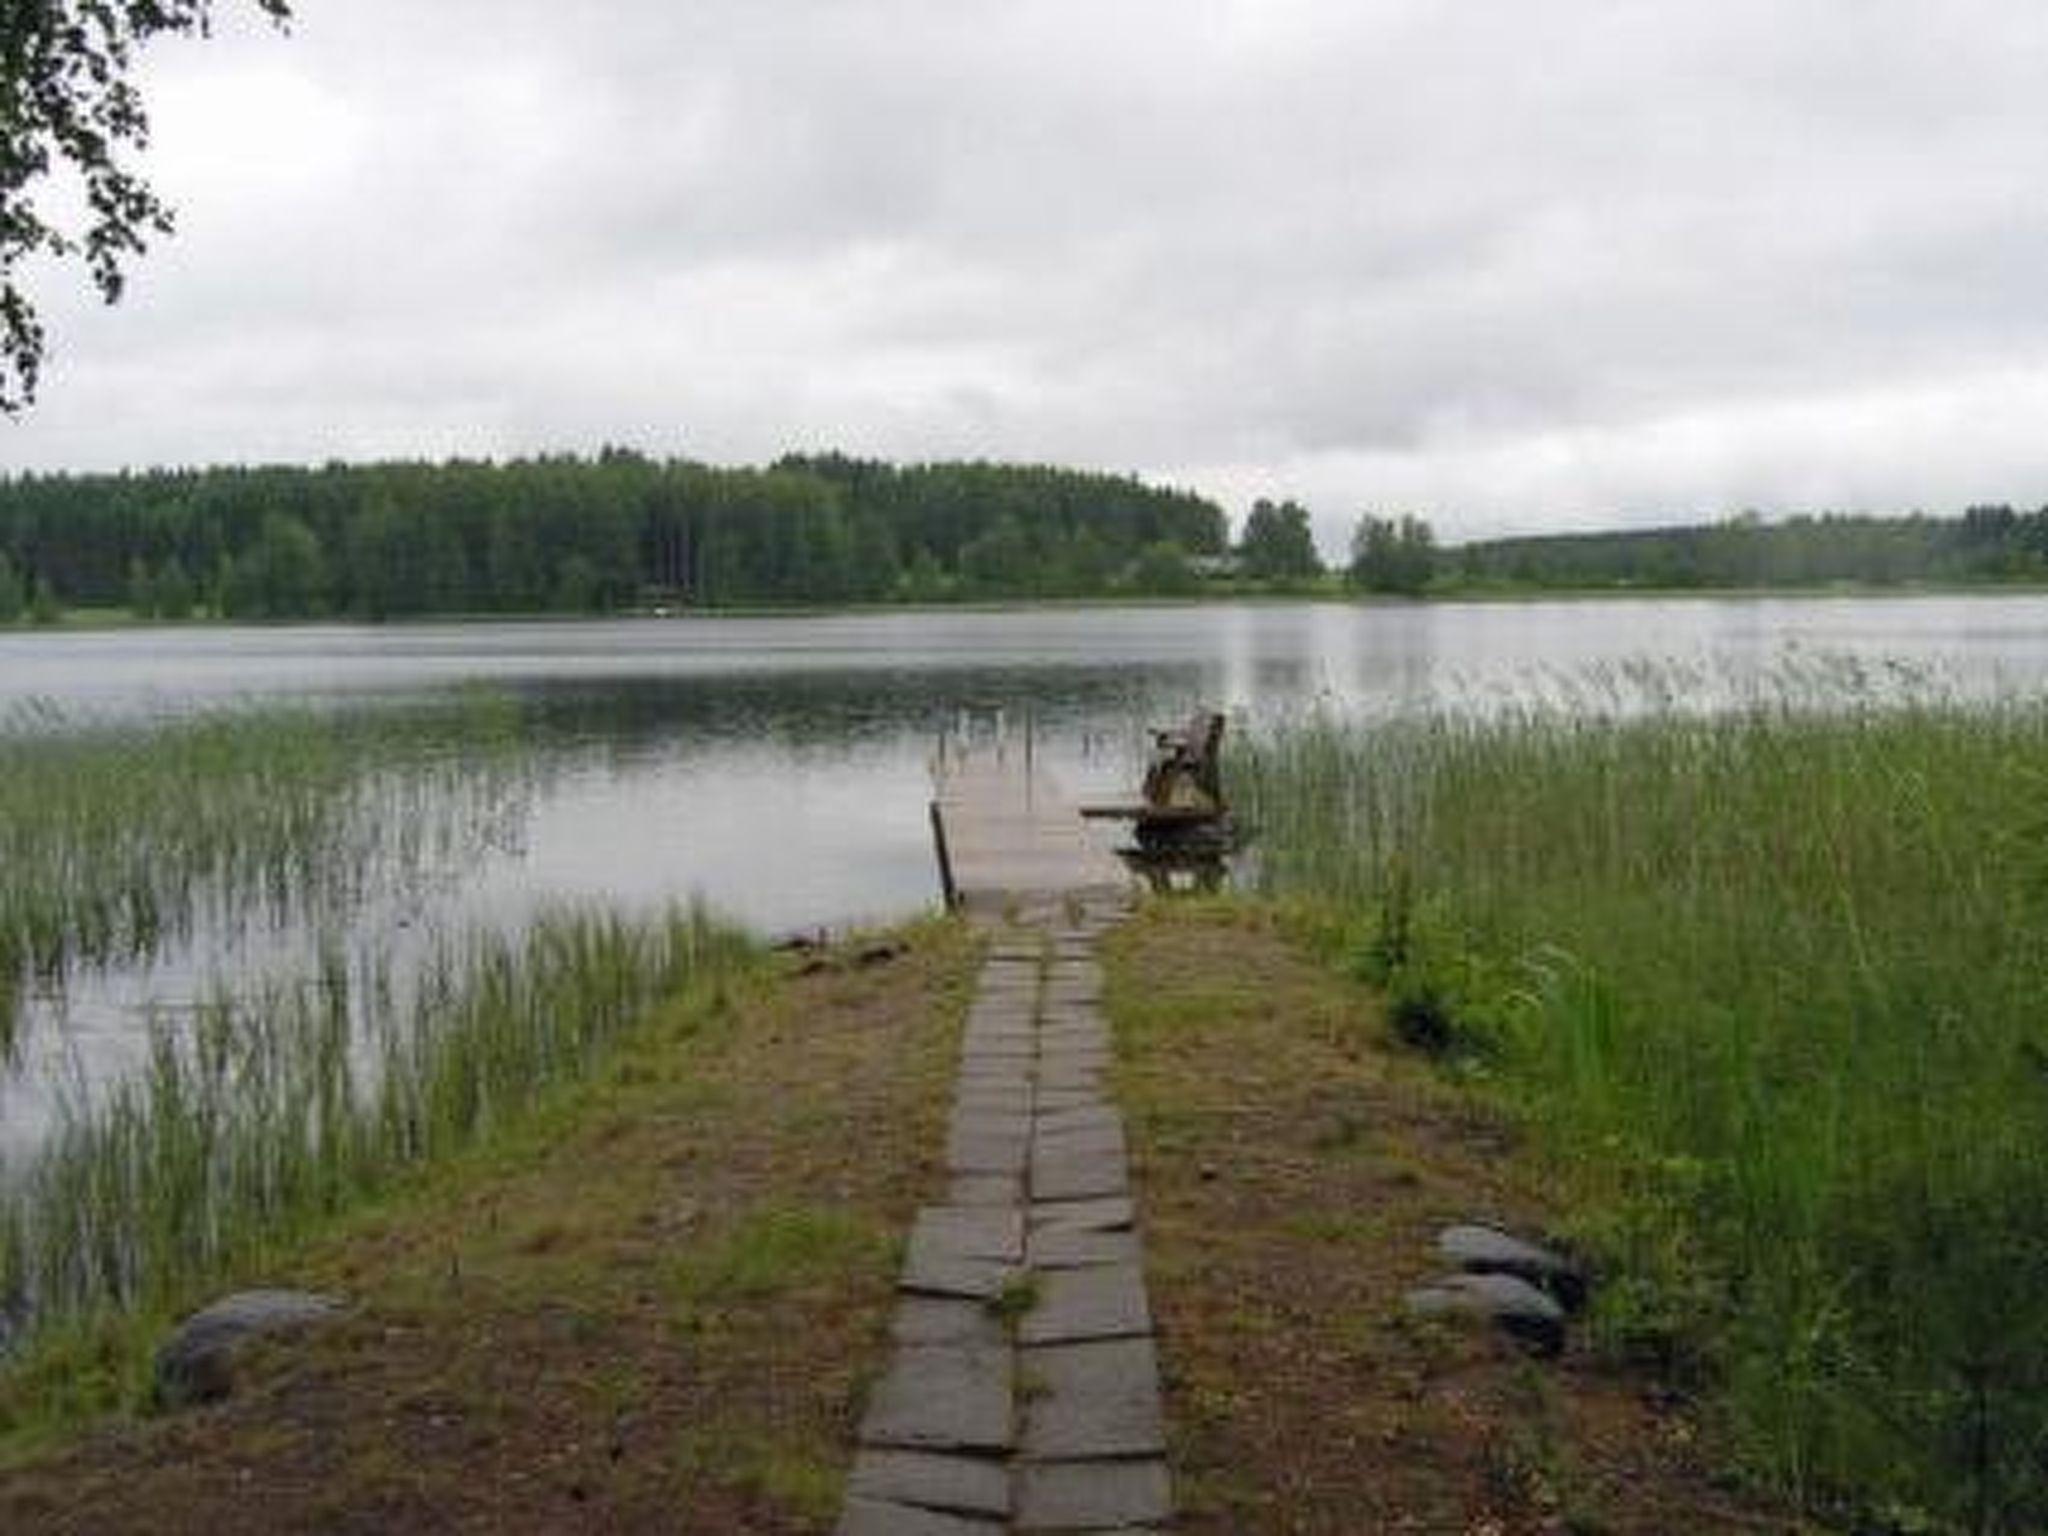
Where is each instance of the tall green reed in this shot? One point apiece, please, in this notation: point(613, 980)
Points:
point(116, 840)
point(274, 1110)
point(1769, 977)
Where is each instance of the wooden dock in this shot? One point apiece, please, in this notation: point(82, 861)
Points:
point(1009, 840)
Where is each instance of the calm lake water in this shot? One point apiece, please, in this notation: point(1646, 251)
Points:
point(776, 766)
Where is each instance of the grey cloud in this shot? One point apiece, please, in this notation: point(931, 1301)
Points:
point(1510, 264)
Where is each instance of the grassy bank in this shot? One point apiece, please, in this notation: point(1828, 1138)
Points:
point(279, 1110)
point(1768, 982)
point(649, 1301)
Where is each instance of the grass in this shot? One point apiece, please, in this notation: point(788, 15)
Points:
point(649, 1301)
point(1767, 978)
point(115, 841)
point(1293, 1171)
point(272, 1114)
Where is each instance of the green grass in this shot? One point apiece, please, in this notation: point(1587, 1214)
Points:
point(1769, 979)
point(116, 840)
point(281, 1109)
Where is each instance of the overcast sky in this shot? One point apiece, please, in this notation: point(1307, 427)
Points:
point(1511, 265)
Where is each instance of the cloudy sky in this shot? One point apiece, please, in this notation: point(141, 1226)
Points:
point(1515, 266)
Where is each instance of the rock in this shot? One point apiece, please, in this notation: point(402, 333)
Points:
point(1530, 1315)
point(880, 952)
point(195, 1364)
point(1484, 1250)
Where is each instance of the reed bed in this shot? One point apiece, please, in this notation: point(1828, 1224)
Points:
point(116, 841)
point(275, 1110)
point(1768, 979)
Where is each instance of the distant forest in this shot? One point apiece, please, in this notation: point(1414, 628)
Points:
point(577, 534)
point(1985, 544)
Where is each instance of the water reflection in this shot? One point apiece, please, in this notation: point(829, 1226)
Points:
point(777, 766)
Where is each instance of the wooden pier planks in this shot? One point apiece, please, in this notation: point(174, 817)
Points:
point(1010, 838)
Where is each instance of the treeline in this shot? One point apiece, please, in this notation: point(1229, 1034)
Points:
point(1985, 544)
point(579, 534)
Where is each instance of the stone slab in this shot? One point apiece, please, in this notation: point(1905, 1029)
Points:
point(986, 1154)
point(1103, 1302)
point(1060, 1122)
point(1068, 1098)
point(1054, 1077)
point(980, 1120)
point(1092, 1400)
point(944, 1397)
point(970, 1232)
point(1105, 1136)
point(937, 1273)
point(986, 1189)
point(961, 1485)
point(997, 1055)
point(1082, 1175)
point(946, 1320)
point(1114, 1213)
point(1091, 1495)
point(876, 1517)
point(1065, 1248)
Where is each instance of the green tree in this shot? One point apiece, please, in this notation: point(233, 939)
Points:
point(174, 595)
point(1389, 555)
point(13, 597)
point(1278, 545)
point(998, 563)
point(142, 598)
point(285, 575)
point(67, 103)
point(1162, 569)
point(46, 607)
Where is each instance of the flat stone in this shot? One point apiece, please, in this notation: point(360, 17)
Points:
point(1061, 1122)
point(1512, 1303)
point(876, 1517)
point(943, 1397)
point(1092, 1495)
point(1006, 1189)
point(1096, 1141)
point(1086, 1080)
point(1482, 1249)
point(1051, 1098)
point(970, 1232)
point(1115, 1213)
point(980, 1120)
point(946, 1320)
point(1065, 1248)
point(961, 1485)
point(1076, 1028)
point(1104, 1302)
point(986, 1154)
point(1090, 1057)
point(1088, 1400)
point(1012, 1077)
point(1079, 1175)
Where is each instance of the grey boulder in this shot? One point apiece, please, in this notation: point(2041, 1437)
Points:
point(1526, 1313)
point(1484, 1250)
point(196, 1363)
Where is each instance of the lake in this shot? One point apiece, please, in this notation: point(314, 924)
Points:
point(776, 765)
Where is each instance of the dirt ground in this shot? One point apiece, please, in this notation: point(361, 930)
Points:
point(659, 1308)
point(655, 1311)
point(1294, 1170)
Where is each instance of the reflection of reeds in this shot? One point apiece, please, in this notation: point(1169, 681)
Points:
point(114, 842)
point(1770, 977)
point(267, 1113)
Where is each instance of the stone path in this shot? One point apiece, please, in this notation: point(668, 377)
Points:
point(1024, 1391)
